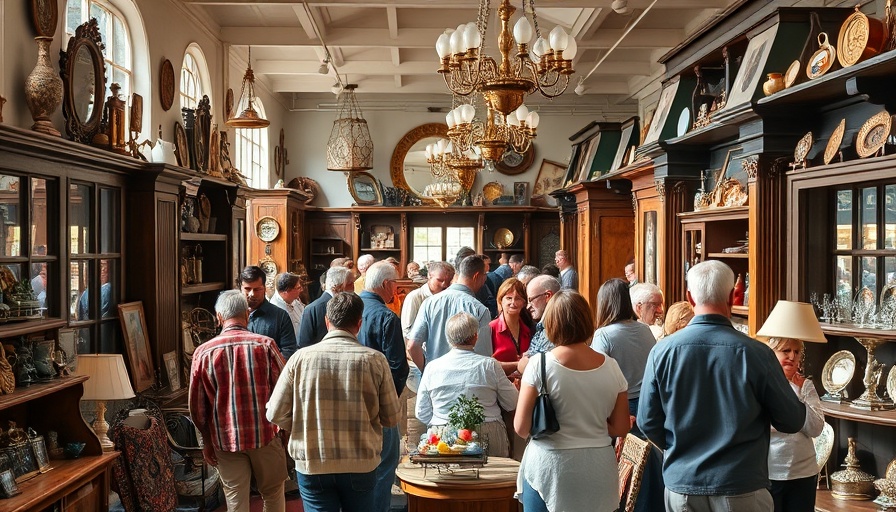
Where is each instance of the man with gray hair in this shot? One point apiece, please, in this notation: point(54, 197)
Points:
point(539, 291)
point(427, 340)
point(569, 278)
point(647, 301)
point(526, 273)
point(483, 294)
point(335, 398)
point(289, 287)
point(381, 330)
point(732, 386)
point(232, 376)
point(364, 262)
point(313, 327)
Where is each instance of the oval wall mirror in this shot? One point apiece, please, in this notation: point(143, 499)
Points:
point(83, 74)
point(408, 167)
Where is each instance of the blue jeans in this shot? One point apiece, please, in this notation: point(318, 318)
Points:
point(532, 501)
point(650, 497)
point(350, 492)
point(385, 472)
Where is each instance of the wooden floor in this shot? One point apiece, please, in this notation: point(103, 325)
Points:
point(293, 504)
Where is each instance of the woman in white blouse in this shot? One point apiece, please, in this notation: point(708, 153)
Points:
point(791, 457)
point(464, 372)
point(574, 468)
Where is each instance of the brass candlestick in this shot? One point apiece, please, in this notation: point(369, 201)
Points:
point(870, 400)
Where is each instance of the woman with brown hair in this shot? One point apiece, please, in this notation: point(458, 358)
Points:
point(677, 316)
point(510, 334)
point(575, 467)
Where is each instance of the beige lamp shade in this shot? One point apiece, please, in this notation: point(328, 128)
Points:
point(109, 378)
point(795, 320)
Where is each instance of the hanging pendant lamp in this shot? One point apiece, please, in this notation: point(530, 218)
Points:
point(350, 147)
point(249, 117)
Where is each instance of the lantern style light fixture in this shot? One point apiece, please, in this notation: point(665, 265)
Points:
point(350, 147)
point(249, 117)
point(505, 86)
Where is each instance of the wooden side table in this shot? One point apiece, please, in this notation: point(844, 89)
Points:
point(461, 491)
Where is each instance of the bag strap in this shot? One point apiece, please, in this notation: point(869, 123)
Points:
point(544, 378)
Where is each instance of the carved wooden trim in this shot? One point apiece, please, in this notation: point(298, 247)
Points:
point(356, 219)
point(751, 166)
point(404, 223)
point(396, 164)
point(660, 189)
point(778, 167)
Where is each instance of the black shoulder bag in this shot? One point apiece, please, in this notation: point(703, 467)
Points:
point(544, 420)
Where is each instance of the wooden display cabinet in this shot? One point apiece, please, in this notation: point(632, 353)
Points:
point(284, 208)
point(329, 237)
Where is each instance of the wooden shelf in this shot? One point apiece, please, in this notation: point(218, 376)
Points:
point(825, 502)
point(716, 214)
point(315, 238)
point(23, 395)
point(740, 310)
point(42, 490)
point(854, 331)
point(846, 412)
point(12, 329)
point(191, 289)
point(202, 237)
point(333, 254)
point(371, 249)
point(728, 255)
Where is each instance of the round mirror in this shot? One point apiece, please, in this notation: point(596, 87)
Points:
point(84, 80)
point(83, 84)
point(408, 167)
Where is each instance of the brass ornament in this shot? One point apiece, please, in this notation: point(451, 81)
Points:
point(792, 73)
point(823, 59)
point(873, 134)
point(801, 151)
point(166, 85)
point(852, 483)
point(833, 147)
point(43, 89)
point(860, 38)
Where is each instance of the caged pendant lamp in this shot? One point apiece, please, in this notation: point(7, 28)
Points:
point(350, 147)
point(249, 117)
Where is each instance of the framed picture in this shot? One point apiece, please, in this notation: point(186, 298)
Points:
point(748, 76)
point(550, 177)
point(41, 457)
point(365, 189)
point(521, 193)
point(650, 257)
point(68, 343)
point(8, 487)
point(661, 113)
point(589, 150)
point(172, 370)
point(133, 326)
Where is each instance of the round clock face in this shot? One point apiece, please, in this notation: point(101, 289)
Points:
point(267, 228)
point(513, 163)
point(512, 158)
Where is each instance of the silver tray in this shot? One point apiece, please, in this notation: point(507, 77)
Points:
point(838, 371)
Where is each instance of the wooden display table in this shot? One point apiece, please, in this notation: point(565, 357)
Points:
point(825, 502)
point(461, 490)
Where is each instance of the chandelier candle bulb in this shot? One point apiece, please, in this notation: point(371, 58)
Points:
point(522, 113)
point(443, 46)
point(522, 31)
point(571, 49)
point(559, 39)
point(532, 120)
point(541, 47)
point(472, 38)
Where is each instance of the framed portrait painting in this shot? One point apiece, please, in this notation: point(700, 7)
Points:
point(136, 339)
point(172, 370)
point(748, 76)
point(365, 189)
point(650, 256)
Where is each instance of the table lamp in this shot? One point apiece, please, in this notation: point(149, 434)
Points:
point(108, 381)
point(793, 320)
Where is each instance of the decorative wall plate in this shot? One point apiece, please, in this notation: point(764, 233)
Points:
point(821, 61)
point(181, 145)
point(503, 238)
point(267, 229)
point(838, 371)
point(802, 148)
point(166, 85)
point(860, 38)
point(833, 147)
point(270, 269)
point(684, 121)
point(45, 17)
point(792, 73)
point(492, 191)
point(513, 163)
point(873, 134)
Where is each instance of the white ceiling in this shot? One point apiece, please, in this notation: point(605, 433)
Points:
point(388, 47)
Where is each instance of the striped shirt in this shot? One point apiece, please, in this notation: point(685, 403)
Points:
point(231, 380)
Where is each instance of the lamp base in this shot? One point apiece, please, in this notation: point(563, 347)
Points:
point(101, 427)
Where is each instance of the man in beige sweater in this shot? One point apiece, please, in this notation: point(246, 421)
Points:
point(334, 398)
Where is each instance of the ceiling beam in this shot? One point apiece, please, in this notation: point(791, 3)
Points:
point(425, 38)
point(464, 4)
point(422, 68)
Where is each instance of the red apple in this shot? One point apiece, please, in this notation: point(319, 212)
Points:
point(433, 439)
point(465, 434)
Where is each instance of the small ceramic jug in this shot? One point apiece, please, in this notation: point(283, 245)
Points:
point(774, 84)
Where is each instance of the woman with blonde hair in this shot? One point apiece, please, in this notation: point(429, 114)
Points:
point(510, 334)
point(575, 467)
point(677, 317)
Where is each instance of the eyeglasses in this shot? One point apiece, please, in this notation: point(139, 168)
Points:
point(532, 298)
point(654, 304)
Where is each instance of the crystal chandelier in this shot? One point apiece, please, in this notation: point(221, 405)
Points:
point(249, 117)
point(453, 172)
point(504, 87)
point(350, 147)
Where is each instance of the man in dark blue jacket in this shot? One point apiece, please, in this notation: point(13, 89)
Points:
point(265, 318)
point(313, 327)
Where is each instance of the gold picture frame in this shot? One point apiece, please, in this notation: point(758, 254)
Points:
point(364, 188)
point(133, 328)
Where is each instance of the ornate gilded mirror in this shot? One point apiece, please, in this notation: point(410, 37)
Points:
point(408, 167)
point(84, 79)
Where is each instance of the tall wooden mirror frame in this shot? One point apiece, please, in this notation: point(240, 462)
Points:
point(87, 37)
point(396, 165)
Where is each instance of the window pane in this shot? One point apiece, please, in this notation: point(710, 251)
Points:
point(844, 219)
point(110, 218)
point(72, 16)
point(457, 237)
point(890, 204)
point(890, 269)
point(79, 208)
point(869, 273)
point(109, 272)
point(102, 20)
point(427, 245)
point(39, 276)
point(85, 342)
point(39, 203)
point(844, 277)
point(80, 296)
point(9, 210)
point(119, 43)
point(868, 218)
